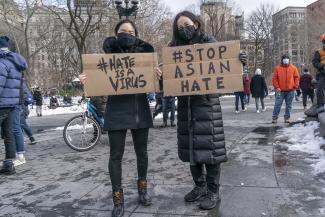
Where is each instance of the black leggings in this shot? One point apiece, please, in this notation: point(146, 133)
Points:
point(117, 145)
point(211, 178)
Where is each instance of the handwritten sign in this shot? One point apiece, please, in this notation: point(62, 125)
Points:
point(202, 69)
point(118, 74)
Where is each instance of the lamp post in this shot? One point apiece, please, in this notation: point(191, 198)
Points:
point(127, 11)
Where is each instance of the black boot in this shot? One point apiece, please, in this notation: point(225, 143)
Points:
point(172, 124)
point(144, 197)
point(210, 200)
point(8, 168)
point(118, 200)
point(32, 141)
point(196, 194)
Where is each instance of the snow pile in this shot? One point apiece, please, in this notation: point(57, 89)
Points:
point(301, 137)
point(60, 110)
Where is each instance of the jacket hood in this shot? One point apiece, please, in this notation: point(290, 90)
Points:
point(19, 62)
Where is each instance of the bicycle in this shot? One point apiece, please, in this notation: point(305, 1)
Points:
point(83, 132)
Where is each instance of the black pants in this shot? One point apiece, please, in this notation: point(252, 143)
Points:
point(320, 89)
point(117, 145)
point(6, 123)
point(211, 179)
point(305, 95)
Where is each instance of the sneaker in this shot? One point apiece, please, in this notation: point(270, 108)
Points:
point(274, 121)
point(210, 200)
point(32, 141)
point(237, 112)
point(20, 159)
point(195, 194)
point(245, 109)
point(258, 111)
point(287, 120)
point(263, 110)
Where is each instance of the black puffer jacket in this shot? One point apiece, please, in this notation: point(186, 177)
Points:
point(127, 111)
point(200, 123)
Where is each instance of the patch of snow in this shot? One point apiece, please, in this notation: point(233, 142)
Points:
point(302, 138)
point(60, 110)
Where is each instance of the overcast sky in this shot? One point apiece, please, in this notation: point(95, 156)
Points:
point(246, 5)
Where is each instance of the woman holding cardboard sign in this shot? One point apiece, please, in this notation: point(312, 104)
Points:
point(127, 112)
point(200, 132)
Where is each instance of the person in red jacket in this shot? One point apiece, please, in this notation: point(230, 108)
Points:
point(306, 87)
point(247, 89)
point(285, 81)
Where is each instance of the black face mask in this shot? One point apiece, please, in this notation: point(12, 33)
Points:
point(126, 40)
point(186, 33)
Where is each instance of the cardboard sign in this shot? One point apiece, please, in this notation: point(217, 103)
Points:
point(118, 74)
point(202, 69)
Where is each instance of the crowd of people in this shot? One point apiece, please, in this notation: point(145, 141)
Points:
point(200, 130)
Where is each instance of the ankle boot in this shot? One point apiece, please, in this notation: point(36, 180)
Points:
point(118, 200)
point(8, 168)
point(144, 197)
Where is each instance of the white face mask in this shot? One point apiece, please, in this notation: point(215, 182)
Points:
point(286, 61)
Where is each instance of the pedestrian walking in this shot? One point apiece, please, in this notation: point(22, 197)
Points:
point(125, 112)
point(200, 133)
point(259, 90)
point(159, 104)
point(169, 107)
point(11, 67)
point(306, 87)
point(240, 96)
point(285, 81)
point(38, 98)
point(28, 100)
point(247, 83)
point(319, 64)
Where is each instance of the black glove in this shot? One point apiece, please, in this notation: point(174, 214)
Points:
point(243, 57)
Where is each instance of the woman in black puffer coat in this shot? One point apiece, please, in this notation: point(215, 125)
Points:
point(125, 112)
point(200, 133)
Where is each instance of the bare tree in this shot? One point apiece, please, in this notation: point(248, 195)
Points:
point(81, 20)
point(219, 18)
point(259, 27)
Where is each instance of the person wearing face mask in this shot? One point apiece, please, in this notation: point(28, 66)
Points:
point(285, 81)
point(319, 64)
point(200, 133)
point(125, 112)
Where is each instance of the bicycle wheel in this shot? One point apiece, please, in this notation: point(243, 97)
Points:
point(82, 133)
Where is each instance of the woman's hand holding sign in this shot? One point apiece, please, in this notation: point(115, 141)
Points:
point(82, 78)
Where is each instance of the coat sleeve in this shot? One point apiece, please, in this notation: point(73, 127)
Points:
point(266, 91)
point(316, 62)
point(3, 77)
point(275, 79)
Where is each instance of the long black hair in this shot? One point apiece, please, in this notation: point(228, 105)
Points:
point(196, 20)
point(117, 27)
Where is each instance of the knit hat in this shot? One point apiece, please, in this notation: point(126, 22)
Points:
point(4, 41)
point(258, 71)
point(285, 56)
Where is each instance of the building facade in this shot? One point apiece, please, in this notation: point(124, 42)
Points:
point(290, 36)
